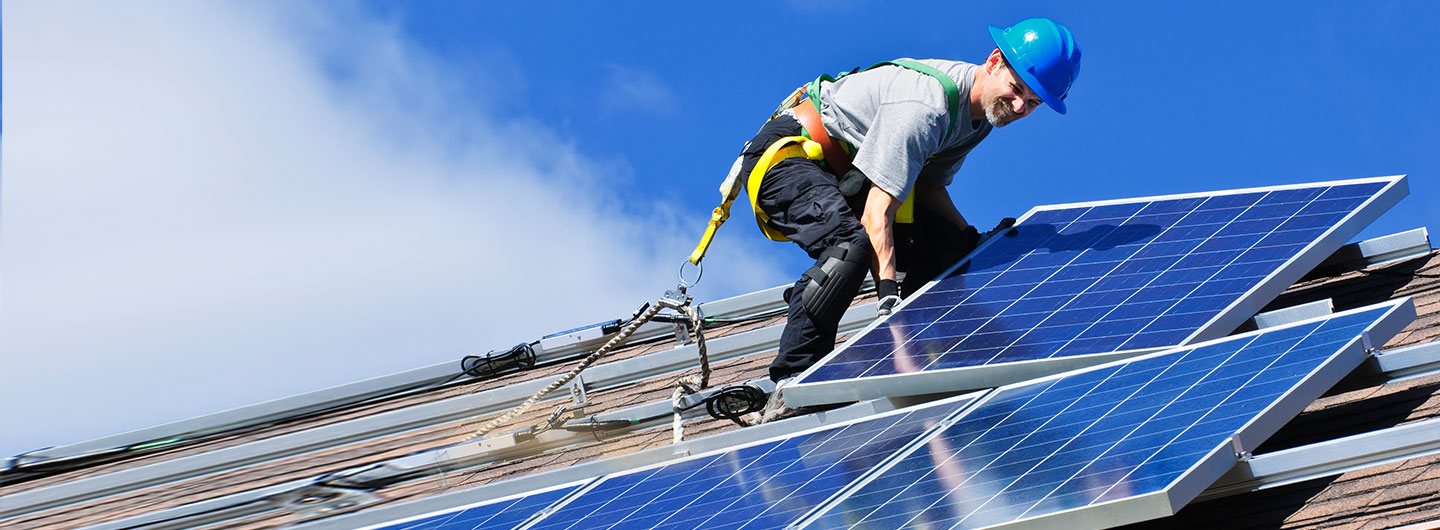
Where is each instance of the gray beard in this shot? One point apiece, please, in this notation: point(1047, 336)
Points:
point(999, 114)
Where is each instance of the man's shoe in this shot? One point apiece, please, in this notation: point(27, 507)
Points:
point(775, 408)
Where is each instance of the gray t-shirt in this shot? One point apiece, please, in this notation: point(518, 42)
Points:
point(896, 118)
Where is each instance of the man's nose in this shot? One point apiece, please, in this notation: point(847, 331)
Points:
point(1018, 105)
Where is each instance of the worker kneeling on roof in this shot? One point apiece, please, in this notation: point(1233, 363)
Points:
point(878, 135)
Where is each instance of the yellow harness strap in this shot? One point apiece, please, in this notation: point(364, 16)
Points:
point(787, 147)
point(717, 218)
point(906, 213)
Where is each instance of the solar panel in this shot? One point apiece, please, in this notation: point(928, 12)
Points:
point(1118, 443)
point(768, 485)
point(1077, 285)
point(507, 513)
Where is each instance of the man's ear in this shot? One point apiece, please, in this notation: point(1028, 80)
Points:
point(994, 61)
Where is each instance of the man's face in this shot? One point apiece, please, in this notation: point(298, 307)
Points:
point(1006, 97)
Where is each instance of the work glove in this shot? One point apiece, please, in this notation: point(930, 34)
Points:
point(889, 292)
point(1003, 227)
point(966, 241)
point(970, 238)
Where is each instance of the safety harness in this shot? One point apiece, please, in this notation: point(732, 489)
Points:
point(814, 144)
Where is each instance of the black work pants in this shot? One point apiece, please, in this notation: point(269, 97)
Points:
point(805, 205)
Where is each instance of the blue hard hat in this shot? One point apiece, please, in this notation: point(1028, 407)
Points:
point(1045, 56)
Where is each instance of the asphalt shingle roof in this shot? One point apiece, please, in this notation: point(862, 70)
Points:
point(1378, 496)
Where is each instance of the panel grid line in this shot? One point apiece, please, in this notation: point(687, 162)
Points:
point(997, 277)
point(775, 446)
point(790, 494)
point(1116, 438)
point(1139, 388)
point(763, 484)
point(1095, 282)
point(1148, 419)
point(951, 423)
point(1208, 413)
point(1086, 284)
point(1047, 278)
point(1177, 262)
point(992, 281)
point(1007, 451)
point(1218, 270)
point(1113, 408)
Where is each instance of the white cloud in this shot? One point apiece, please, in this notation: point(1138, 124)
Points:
point(628, 89)
point(207, 205)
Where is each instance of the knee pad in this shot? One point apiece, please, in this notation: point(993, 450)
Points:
point(832, 283)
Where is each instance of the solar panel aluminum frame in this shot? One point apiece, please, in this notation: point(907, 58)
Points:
point(1217, 462)
point(1401, 314)
point(961, 404)
point(478, 495)
point(801, 393)
point(578, 486)
point(1329, 458)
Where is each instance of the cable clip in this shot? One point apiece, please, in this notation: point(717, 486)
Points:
point(556, 419)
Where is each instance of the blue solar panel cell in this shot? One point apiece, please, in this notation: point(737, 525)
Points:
point(1115, 432)
point(761, 486)
point(498, 515)
point(1086, 280)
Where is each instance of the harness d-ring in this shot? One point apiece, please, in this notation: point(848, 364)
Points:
point(699, 271)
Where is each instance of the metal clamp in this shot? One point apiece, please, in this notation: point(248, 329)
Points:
point(577, 393)
point(675, 298)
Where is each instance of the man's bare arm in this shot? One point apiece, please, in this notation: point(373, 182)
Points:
point(879, 221)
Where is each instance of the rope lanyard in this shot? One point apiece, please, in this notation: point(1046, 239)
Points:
point(677, 300)
point(690, 384)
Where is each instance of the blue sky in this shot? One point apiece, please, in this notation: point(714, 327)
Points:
point(1172, 98)
point(206, 205)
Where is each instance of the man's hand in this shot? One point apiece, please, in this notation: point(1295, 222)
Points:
point(889, 292)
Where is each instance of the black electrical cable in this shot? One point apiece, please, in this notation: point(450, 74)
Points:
point(732, 402)
point(632, 318)
point(746, 318)
point(518, 357)
point(595, 425)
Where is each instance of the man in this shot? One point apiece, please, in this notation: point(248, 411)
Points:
point(909, 130)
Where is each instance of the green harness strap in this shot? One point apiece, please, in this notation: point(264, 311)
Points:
point(952, 92)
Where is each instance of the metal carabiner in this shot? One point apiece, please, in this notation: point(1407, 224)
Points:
point(699, 272)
